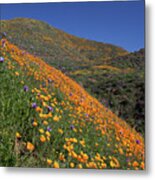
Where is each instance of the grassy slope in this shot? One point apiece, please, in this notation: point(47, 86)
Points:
point(84, 134)
point(121, 90)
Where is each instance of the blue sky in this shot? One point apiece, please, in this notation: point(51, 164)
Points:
point(119, 23)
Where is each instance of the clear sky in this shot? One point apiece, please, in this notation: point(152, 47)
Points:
point(119, 23)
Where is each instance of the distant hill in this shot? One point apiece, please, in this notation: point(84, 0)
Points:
point(55, 46)
point(110, 73)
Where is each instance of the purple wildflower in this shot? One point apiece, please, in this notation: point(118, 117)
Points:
point(49, 129)
point(50, 108)
point(137, 141)
point(1, 59)
point(34, 105)
point(70, 94)
point(87, 115)
point(72, 126)
point(26, 88)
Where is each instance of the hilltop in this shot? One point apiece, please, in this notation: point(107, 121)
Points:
point(109, 73)
point(57, 47)
point(48, 120)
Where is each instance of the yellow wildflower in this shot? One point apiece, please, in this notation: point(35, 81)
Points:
point(74, 155)
point(85, 156)
point(82, 142)
point(41, 115)
point(48, 138)
point(41, 131)
point(96, 144)
point(45, 122)
point(48, 133)
point(72, 165)
point(49, 114)
point(103, 165)
point(17, 73)
point(135, 164)
point(44, 104)
point(56, 164)
point(60, 131)
point(49, 161)
point(121, 151)
point(38, 109)
point(18, 135)
point(142, 165)
point(35, 123)
point(52, 104)
point(56, 118)
point(114, 163)
point(30, 146)
point(80, 166)
point(42, 138)
point(61, 157)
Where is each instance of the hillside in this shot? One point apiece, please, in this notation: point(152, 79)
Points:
point(135, 60)
point(109, 73)
point(120, 85)
point(55, 46)
point(48, 120)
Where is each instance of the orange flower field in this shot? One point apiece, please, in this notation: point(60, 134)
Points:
point(57, 123)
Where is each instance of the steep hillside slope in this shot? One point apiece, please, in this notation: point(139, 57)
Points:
point(48, 120)
point(111, 74)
